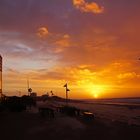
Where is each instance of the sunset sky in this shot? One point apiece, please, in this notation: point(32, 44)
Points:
point(93, 45)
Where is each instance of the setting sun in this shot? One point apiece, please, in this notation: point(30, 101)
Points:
point(95, 96)
point(95, 91)
point(69, 69)
point(97, 61)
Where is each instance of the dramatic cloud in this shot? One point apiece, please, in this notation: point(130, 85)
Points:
point(43, 32)
point(84, 6)
point(53, 44)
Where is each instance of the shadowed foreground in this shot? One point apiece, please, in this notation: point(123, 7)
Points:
point(30, 125)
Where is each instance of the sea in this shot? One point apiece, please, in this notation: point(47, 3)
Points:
point(128, 102)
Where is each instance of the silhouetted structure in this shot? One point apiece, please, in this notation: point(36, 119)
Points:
point(52, 94)
point(17, 104)
point(33, 95)
point(0, 76)
point(69, 110)
point(28, 88)
point(66, 86)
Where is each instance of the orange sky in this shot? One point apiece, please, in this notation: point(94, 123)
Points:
point(91, 45)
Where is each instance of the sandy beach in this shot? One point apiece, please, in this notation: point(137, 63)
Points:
point(29, 125)
point(69, 70)
point(127, 114)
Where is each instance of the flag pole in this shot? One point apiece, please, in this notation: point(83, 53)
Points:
point(66, 86)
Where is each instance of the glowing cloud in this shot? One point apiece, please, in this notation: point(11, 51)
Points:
point(129, 75)
point(43, 32)
point(88, 7)
point(62, 43)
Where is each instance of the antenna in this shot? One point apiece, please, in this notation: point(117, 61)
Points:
point(29, 89)
point(28, 86)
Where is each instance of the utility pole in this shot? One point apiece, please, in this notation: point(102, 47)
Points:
point(28, 87)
